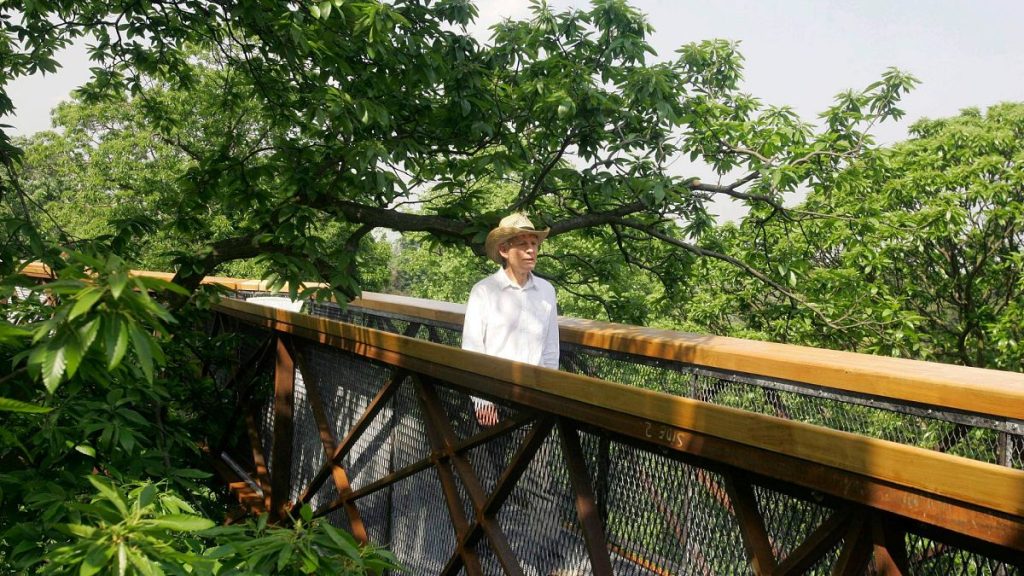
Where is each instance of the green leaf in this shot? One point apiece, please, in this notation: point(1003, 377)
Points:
point(343, 541)
point(96, 559)
point(147, 496)
point(54, 363)
point(283, 557)
point(85, 449)
point(118, 280)
point(191, 473)
point(182, 523)
point(144, 565)
point(109, 492)
point(9, 405)
point(87, 333)
point(141, 343)
point(159, 284)
point(85, 301)
point(79, 530)
point(72, 354)
point(115, 337)
point(10, 334)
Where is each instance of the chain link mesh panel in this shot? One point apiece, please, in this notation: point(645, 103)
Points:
point(969, 435)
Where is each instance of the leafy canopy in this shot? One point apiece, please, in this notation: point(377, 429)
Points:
point(350, 112)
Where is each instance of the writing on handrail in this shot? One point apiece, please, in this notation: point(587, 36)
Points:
point(664, 434)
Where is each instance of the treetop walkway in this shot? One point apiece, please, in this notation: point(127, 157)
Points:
point(648, 452)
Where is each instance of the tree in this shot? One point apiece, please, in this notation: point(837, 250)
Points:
point(917, 251)
point(362, 106)
point(107, 166)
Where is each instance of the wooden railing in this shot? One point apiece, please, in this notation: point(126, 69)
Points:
point(977, 390)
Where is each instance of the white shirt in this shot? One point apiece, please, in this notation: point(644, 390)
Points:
point(513, 322)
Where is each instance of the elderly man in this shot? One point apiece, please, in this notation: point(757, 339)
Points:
point(512, 313)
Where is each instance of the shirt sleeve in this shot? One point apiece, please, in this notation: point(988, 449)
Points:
point(550, 354)
point(473, 331)
point(473, 324)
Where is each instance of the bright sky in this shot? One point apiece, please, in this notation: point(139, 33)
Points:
point(802, 53)
point(799, 53)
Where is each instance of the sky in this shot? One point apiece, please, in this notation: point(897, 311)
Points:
point(799, 53)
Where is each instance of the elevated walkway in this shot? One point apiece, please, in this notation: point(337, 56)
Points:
point(648, 452)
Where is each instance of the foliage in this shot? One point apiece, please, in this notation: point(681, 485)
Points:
point(146, 529)
point(309, 546)
point(141, 531)
point(99, 466)
point(95, 395)
point(347, 112)
point(110, 168)
point(918, 253)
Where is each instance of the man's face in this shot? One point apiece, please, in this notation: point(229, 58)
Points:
point(521, 253)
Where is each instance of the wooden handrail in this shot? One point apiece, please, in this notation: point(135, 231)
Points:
point(991, 392)
point(968, 481)
point(39, 270)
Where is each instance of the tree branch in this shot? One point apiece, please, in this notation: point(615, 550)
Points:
point(699, 251)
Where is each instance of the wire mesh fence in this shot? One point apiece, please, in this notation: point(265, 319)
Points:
point(974, 436)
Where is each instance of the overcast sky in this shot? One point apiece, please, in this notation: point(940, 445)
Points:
point(799, 53)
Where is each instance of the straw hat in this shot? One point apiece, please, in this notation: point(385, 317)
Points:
point(511, 226)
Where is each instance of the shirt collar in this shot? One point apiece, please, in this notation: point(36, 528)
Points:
point(506, 282)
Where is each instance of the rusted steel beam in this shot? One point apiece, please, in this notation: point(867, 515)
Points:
point(341, 481)
point(445, 441)
point(502, 427)
point(375, 406)
point(640, 561)
point(857, 546)
point(518, 464)
point(384, 482)
point(284, 431)
point(258, 459)
point(586, 506)
point(819, 543)
point(890, 543)
point(441, 457)
point(752, 531)
point(503, 488)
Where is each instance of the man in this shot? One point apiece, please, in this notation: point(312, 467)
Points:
point(512, 313)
